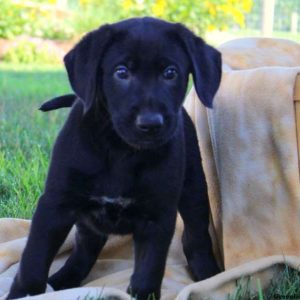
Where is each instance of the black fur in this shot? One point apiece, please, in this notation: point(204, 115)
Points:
point(127, 158)
point(58, 102)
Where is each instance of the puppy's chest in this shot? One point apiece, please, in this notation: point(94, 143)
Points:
point(125, 194)
point(113, 185)
point(113, 204)
point(112, 214)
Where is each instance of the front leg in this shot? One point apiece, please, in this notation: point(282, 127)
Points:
point(151, 244)
point(88, 245)
point(196, 241)
point(50, 225)
point(194, 210)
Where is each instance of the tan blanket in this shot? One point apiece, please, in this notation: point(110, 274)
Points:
point(249, 151)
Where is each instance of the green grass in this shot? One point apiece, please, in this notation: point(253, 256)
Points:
point(285, 285)
point(26, 134)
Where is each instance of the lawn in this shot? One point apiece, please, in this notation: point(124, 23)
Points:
point(26, 140)
point(26, 134)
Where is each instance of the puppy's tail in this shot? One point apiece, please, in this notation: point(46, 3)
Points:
point(58, 102)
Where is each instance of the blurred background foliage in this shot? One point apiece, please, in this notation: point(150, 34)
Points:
point(34, 18)
point(65, 21)
point(61, 19)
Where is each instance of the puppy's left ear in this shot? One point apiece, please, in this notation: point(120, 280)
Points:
point(206, 64)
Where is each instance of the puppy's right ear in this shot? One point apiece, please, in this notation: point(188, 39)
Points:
point(206, 64)
point(82, 64)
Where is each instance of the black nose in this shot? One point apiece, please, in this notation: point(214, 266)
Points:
point(149, 122)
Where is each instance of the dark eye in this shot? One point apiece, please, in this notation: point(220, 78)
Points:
point(121, 72)
point(170, 73)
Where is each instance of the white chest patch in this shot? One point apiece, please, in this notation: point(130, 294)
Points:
point(119, 201)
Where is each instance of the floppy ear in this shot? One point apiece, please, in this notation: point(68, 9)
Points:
point(82, 63)
point(206, 64)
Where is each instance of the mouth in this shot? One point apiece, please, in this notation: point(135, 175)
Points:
point(144, 142)
point(144, 145)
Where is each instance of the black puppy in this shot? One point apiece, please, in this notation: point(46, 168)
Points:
point(127, 158)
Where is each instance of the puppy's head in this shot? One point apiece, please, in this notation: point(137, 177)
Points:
point(139, 70)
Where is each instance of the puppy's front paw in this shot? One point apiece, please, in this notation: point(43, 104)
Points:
point(29, 287)
point(143, 293)
point(62, 280)
point(16, 292)
point(203, 267)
